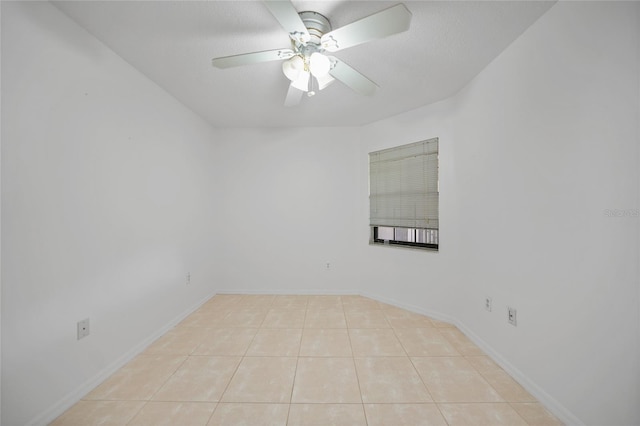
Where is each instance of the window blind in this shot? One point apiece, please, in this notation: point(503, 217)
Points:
point(403, 186)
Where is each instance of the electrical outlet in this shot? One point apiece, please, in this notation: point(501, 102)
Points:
point(512, 316)
point(188, 278)
point(328, 265)
point(83, 328)
point(487, 304)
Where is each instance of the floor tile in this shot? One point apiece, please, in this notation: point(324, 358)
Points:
point(290, 302)
point(139, 379)
point(324, 302)
point(326, 414)
point(441, 324)
point(391, 379)
point(262, 379)
point(326, 380)
point(332, 342)
point(453, 379)
point(494, 414)
point(461, 342)
point(366, 319)
point(276, 342)
point(408, 320)
point(425, 342)
point(535, 414)
point(255, 301)
point(375, 342)
point(225, 341)
point(507, 387)
point(89, 413)
point(235, 414)
point(359, 302)
point(245, 318)
point(178, 341)
point(284, 318)
point(483, 363)
point(204, 319)
point(222, 300)
point(325, 318)
point(324, 360)
point(174, 413)
point(200, 378)
point(213, 309)
point(393, 310)
point(404, 415)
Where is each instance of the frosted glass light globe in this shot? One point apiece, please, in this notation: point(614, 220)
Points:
point(319, 64)
point(302, 82)
point(293, 67)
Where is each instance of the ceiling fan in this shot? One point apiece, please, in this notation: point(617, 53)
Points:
point(306, 62)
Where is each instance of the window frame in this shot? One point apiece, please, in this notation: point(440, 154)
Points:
point(412, 243)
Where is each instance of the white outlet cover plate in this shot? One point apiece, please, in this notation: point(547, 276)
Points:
point(487, 304)
point(512, 317)
point(83, 328)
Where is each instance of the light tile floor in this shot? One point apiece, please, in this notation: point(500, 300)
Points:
point(308, 360)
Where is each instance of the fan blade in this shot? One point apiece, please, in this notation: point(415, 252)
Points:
point(289, 19)
point(390, 21)
point(252, 58)
point(294, 96)
point(352, 78)
point(324, 81)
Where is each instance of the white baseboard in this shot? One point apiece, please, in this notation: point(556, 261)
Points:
point(55, 410)
point(316, 292)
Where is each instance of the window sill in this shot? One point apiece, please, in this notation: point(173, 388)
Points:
point(404, 247)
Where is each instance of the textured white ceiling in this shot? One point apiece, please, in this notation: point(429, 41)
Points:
point(173, 42)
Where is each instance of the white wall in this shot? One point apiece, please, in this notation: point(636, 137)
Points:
point(533, 153)
point(112, 191)
point(426, 281)
point(0, 235)
point(551, 128)
point(289, 209)
point(107, 201)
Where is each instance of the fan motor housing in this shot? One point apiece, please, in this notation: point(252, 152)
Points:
point(317, 25)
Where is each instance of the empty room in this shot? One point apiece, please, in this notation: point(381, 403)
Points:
point(320, 213)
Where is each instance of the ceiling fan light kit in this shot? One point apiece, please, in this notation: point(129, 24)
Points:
point(306, 63)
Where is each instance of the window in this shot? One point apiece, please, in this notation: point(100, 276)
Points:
point(403, 195)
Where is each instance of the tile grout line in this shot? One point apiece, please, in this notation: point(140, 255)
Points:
point(215, 408)
point(353, 360)
point(157, 390)
point(242, 357)
point(420, 376)
point(295, 371)
point(414, 367)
